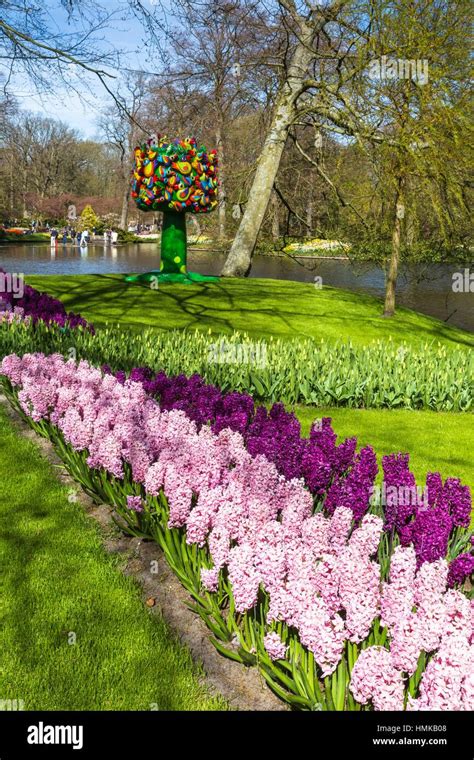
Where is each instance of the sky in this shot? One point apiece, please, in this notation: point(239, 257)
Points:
point(81, 112)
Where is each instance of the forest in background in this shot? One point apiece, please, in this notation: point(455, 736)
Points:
point(353, 141)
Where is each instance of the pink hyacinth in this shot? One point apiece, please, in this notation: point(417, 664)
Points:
point(210, 578)
point(359, 592)
point(447, 681)
point(375, 679)
point(135, 503)
point(430, 587)
point(274, 646)
point(359, 578)
point(244, 577)
point(340, 526)
point(406, 643)
point(323, 634)
point(397, 596)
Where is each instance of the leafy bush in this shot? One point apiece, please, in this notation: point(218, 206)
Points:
point(126, 237)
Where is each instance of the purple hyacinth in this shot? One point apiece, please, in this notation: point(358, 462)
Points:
point(277, 435)
point(397, 479)
point(445, 507)
point(460, 568)
point(317, 470)
point(429, 533)
point(41, 306)
point(354, 490)
point(458, 500)
point(141, 374)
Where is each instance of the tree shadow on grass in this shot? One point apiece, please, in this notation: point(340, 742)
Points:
point(228, 305)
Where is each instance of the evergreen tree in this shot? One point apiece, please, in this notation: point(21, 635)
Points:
point(88, 219)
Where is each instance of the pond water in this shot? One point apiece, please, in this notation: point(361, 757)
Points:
point(424, 287)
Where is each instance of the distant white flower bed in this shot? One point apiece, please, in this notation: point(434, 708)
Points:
point(318, 244)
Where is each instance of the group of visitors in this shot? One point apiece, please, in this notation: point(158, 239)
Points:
point(144, 229)
point(69, 235)
point(81, 238)
point(110, 237)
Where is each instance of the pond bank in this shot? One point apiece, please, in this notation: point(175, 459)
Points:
point(422, 287)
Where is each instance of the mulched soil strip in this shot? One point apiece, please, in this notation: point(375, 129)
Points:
point(243, 688)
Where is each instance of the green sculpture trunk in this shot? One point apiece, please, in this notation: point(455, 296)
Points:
point(173, 243)
point(173, 255)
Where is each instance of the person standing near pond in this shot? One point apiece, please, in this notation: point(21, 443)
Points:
point(84, 238)
point(114, 237)
point(54, 237)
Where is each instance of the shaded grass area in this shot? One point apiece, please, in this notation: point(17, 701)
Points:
point(436, 441)
point(260, 307)
point(56, 578)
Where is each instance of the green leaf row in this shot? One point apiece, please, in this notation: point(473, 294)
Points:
point(381, 374)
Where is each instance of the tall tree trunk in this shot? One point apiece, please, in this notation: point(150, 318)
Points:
point(222, 184)
point(126, 168)
point(309, 219)
point(239, 259)
point(410, 229)
point(275, 219)
point(125, 199)
point(391, 282)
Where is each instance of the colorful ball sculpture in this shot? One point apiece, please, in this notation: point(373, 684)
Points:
point(174, 177)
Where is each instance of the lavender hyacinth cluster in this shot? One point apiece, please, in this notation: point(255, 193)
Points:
point(41, 306)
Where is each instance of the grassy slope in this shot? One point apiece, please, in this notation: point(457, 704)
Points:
point(288, 309)
point(260, 307)
point(436, 441)
point(55, 578)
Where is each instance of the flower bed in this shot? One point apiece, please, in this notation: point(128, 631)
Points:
point(381, 375)
point(339, 607)
point(334, 474)
point(316, 245)
point(35, 306)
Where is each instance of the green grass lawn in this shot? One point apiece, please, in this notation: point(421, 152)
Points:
point(436, 441)
point(56, 578)
point(260, 307)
